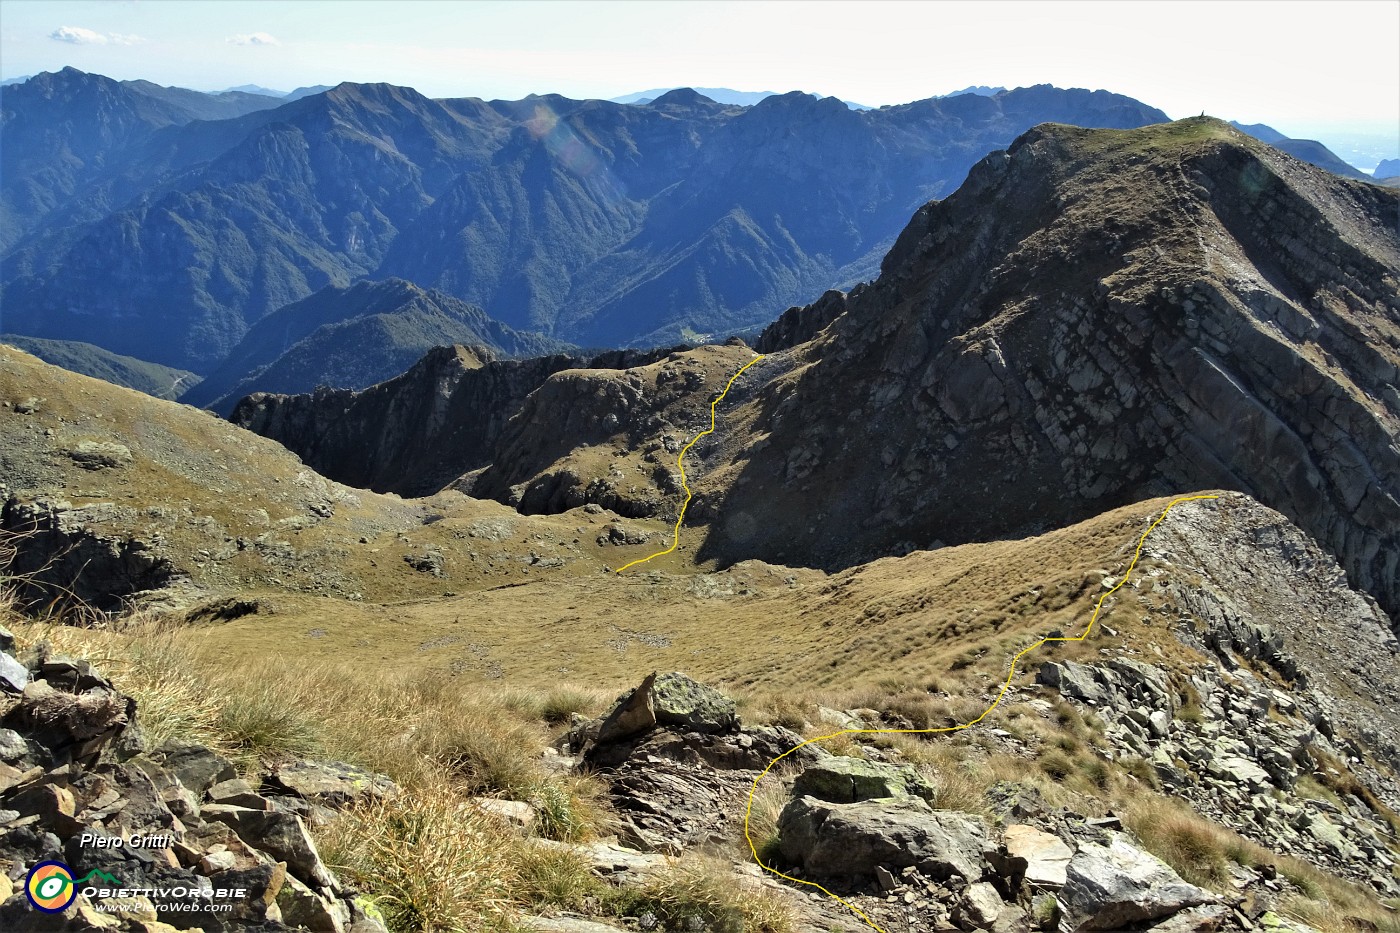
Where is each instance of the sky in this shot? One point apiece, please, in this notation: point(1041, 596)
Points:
point(1309, 69)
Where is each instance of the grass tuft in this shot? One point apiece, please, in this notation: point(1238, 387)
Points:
point(432, 863)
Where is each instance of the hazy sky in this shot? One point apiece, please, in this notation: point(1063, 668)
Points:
point(1305, 68)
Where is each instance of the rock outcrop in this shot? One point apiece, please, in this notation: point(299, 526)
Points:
point(1294, 696)
point(610, 437)
point(161, 838)
point(1115, 886)
point(866, 831)
point(420, 431)
point(850, 840)
point(678, 761)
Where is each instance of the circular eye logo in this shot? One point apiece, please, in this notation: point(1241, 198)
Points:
point(50, 887)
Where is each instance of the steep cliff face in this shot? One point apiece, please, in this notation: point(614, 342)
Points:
point(610, 436)
point(416, 433)
point(1095, 317)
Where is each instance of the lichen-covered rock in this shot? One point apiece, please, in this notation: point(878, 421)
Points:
point(690, 705)
point(332, 784)
point(849, 780)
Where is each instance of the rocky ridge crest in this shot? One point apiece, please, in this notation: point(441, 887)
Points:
point(1094, 317)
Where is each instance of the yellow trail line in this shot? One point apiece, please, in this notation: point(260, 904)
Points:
point(680, 463)
point(748, 810)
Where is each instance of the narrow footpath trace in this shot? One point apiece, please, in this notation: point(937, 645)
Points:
point(1006, 685)
point(680, 464)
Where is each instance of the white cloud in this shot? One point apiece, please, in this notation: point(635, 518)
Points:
point(77, 35)
point(254, 38)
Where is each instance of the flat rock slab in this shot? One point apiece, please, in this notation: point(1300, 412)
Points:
point(333, 784)
point(849, 780)
point(1045, 857)
point(836, 840)
point(1113, 886)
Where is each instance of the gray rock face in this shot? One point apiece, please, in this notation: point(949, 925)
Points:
point(851, 840)
point(798, 325)
point(281, 835)
point(63, 554)
point(197, 767)
point(840, 779)
point(1111, 887)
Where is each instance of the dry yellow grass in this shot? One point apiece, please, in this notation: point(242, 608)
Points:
point(462, 690)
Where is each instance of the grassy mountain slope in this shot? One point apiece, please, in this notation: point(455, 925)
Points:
point(113, 492)
point(151, 378)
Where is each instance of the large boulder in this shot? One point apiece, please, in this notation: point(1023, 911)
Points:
point(281, 835)
point(849, 840)
point(850, 780)
point(1115, 885)
point(691, 706)
point(1075, 680)
point(197, 767)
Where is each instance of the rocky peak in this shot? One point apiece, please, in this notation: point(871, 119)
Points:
point(1101, 315)
point(683, 97)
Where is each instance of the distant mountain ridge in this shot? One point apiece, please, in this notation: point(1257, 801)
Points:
point(981, 90)
point(151, 378)
point(720, 95)
point(66, 130)
point(598, 224)
point(352, 338)
point(1308, 150)
point(252, 89)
